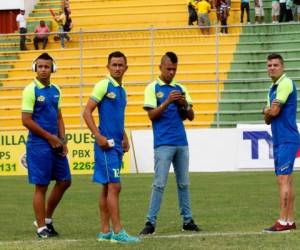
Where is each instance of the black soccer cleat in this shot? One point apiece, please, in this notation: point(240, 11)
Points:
point(190, 226)
point(148, 229)
point(45, 233)
point(51, 229)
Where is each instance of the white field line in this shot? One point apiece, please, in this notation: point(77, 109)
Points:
point(194, 235)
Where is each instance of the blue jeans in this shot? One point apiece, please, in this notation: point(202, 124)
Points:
point(62, 36)
point(164, 156)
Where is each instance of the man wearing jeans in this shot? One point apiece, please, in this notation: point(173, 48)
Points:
point(168, 103)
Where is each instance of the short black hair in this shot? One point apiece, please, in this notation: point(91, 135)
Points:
point(44, 56)
point(116, 54)
point(171, 55)
point(275, 56)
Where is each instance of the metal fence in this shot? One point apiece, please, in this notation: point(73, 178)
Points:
point(203, 60)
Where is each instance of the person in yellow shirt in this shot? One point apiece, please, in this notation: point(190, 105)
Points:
point(203, 8)
point(192, 11)
point(60, 18)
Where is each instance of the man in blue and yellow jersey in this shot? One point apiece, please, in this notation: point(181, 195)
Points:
point(281, 113)
point(168, 103)
point(46, 147)
point(111, 142)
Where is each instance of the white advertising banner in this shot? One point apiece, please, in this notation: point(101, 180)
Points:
point(247, 147)
point(256, 147)
point(211, 150)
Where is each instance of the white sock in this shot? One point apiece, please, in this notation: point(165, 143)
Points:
point(282, 222)
point(40, 229)
point(290, 222)
point(48, 220)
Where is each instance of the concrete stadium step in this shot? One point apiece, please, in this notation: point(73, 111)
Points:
point(261, 64)
point(271, 45)
point(223, 56)
point(197, 56)
point(245, 117)
point(132, 62)
point(159, 48)
point(247, 74)
point(133, 106)
point(71, 119)
point(101, 69)
point(262, 55)
point(163, 17)
point(129, 77)
point(245, 84)
point(270, 29)
point(8, 57)
point(269, 37)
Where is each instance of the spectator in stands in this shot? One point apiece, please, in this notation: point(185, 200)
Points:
point(259, 11)
point(46, 147)
point(41, 35)
point(218, 7)
point(223, 16)
point(110, 144)
point(297, 10)
point(245, 6)
point(281, 113)
point(275, 11)
point(203, 9)
point(68, 25)
point(192, 11)
point(168, 103)
point(228, 3)
point(283, 11)
point(66, 7)
point(22, 25)
point(60, 18)
point(289, 10)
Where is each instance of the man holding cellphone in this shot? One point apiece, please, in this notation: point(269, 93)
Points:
point(168, 103)
point(111, 142)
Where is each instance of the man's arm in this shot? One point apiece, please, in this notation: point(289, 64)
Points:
point(18, 21)
point(29, 123)
point(61, 132)
point(185, 109)
point(125, 142)
point(89, 120)
point(155, 113)
point(270, 112)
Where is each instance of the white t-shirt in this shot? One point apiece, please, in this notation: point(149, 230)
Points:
point(21, 20)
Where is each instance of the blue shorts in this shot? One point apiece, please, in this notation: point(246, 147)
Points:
point(284, 157)
point(45, 165)
point(108, 164)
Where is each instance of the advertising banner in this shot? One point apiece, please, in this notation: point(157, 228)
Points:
point(255, 147)
point(80, 145)
point(210, 150)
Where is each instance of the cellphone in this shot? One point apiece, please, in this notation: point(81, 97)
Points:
point(111, 143)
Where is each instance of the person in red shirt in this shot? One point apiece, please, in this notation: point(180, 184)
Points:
point(41, 35)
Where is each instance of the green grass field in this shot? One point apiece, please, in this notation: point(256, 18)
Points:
point(231, 208)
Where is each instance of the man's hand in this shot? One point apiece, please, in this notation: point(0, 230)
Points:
point(125, 145)
point(65, 150)
point(182, 103)
point(175, 96)
point(54, 141)
point(102, 142)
